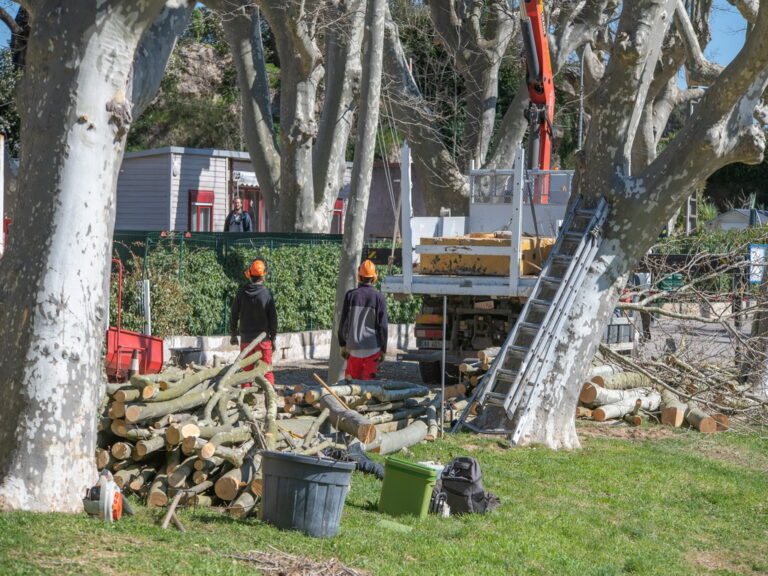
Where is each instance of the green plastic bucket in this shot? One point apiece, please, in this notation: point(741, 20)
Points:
point(407, 488)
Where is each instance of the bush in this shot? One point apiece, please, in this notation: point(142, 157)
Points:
point(191, 291)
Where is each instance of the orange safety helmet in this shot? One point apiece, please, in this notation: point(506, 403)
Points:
point(367, 270)
point(257, 268)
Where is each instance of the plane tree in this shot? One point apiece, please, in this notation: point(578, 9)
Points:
point(645, 187)
point(90, 68)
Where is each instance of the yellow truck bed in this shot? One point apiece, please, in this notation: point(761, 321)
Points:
point(453, 262)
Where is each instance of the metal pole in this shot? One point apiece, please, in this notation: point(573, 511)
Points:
point(442, 366)
point(405, 220)
point(147, 309)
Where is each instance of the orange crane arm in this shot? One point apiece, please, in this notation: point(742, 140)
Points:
point(541, 88)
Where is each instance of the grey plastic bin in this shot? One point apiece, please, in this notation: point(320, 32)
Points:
point(304, 493)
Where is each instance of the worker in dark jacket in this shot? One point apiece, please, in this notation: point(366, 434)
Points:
point(253, 309)
point(363, 329)
point(238, 220)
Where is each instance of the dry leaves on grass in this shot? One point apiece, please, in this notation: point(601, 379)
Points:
point(278, 563)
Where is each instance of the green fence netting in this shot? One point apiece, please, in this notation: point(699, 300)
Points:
point(193, 277)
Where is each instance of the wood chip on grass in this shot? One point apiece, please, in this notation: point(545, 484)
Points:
point(278, 563)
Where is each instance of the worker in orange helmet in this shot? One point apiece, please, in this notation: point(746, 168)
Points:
point(364, 327)
point(253, 311)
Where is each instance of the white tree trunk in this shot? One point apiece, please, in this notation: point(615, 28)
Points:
point(53, 302)
point(362, 169)
point(722, 130)
point(301, 171)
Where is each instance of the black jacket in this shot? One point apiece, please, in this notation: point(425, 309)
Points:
point(238, 222)
point(254, 310)
point(364, 324)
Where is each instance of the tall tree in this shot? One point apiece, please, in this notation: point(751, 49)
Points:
point(85, 71)
point(300, 169)
point(727, 125)
point(362, 169)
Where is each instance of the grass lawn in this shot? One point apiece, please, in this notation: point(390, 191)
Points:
point(648, 501)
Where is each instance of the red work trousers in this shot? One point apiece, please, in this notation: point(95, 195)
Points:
point(266, 357)
point(362, 368)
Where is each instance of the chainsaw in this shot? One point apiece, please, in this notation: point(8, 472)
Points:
point(105, 501)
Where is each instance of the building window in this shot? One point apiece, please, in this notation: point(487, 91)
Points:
point(201, 210)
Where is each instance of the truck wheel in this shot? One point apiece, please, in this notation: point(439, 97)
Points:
point(430, 372)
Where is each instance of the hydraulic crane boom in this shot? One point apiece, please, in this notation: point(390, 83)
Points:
point(541, 91)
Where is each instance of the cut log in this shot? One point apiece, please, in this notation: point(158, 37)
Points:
point(141, 412)
point(123, 477)
point(349, 421)
point(700, 420)
point(225, 438)
point(228, 486)
point(398, 415)
point(394, 441)
point(158, 491)
point(178, 478)
point(488, 355)
point(618, 409)
point(722, 422)
point(192, 445)
point(144, 447)
point(634, 418)
point(672, 410)
point(121, 450)
point(143, 478)
point(623, 381)
point(176, 433)
point(116, 410)
point(592, 393)
point(383, 391)
point(243, 506)
point(582, 412)
point(104, 459)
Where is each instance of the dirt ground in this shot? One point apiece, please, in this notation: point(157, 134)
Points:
point(301, 372)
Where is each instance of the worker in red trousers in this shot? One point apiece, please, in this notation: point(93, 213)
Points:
point(253, 310)
point(364, 326)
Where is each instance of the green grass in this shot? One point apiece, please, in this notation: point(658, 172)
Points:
point(683, 504)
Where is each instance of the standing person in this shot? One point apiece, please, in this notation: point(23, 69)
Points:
point(363, 328)
point(238, 219)
point(253, 309)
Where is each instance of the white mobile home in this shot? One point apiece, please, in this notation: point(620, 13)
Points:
point(191, 189)
point(185, 189)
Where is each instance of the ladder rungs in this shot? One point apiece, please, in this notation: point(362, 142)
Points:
point(521, 349)
point(529, 325)
point(541, 302)
point(585, 212)
point(551, 279)
point(507, 373)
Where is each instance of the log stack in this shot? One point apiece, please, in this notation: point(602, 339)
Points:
point(200, 431)
point(634, 398)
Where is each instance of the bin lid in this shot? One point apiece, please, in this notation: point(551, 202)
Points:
point(304, 459)
point(409, 466)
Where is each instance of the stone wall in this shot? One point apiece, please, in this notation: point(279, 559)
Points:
point(292, 347)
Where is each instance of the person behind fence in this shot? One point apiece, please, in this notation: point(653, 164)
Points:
point(238, 219)
point(253, 312)
point(363, 328)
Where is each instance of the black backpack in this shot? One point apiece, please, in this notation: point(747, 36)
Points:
point(462, 483)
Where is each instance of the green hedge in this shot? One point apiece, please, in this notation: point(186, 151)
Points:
point(192, 288)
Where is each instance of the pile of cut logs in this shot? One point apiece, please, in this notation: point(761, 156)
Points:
point(634, 397)
point(200, 431)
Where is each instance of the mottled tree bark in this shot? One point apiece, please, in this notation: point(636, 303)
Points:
point(76, 111)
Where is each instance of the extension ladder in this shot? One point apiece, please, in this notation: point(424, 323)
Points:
point(511, 381)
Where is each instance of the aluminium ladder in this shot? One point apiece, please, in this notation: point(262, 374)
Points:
point(511, 381)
